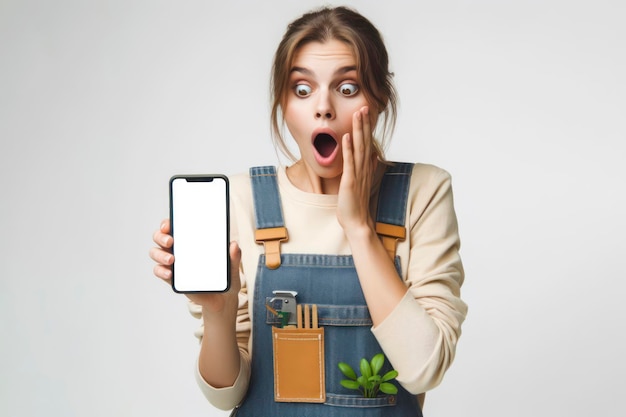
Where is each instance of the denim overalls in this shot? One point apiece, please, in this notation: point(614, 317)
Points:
point(331, 282)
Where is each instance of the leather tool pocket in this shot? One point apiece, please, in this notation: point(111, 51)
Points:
point(299, 364)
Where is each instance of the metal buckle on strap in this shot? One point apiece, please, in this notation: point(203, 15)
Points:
point(271, 238)
point(390, 234)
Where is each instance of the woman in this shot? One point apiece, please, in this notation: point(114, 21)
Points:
point(372, 244)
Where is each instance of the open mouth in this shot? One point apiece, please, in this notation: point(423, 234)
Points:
point(324, 144)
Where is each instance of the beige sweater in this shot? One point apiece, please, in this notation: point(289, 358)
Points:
point(420, 336)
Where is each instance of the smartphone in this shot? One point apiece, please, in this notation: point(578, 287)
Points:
point(200, 226)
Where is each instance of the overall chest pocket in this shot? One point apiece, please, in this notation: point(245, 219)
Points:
point(299, 370)
point(346, 337)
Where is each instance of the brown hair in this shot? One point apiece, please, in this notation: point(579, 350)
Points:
point(372, 61)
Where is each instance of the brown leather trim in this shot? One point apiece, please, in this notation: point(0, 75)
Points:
point(271, 238)
point(390, 234)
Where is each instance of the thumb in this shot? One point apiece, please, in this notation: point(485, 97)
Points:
point(235, 262)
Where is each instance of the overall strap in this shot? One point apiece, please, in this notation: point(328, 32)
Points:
point(391, 213)
point(392, 200)
point(268, 212)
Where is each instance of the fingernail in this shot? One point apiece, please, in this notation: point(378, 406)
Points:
point(167, 259)
point(165, 240)
point(366, 110)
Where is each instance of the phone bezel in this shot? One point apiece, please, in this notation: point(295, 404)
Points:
point(200, 178)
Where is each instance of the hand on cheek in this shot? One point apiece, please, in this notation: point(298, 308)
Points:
point(358, 168)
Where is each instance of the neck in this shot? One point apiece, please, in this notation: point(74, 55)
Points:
point(303, 178)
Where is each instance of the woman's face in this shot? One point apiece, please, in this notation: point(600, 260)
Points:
point(323, 96)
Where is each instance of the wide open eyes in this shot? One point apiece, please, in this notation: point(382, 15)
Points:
point(303, 90)
point(345, 89)
point(348, 89)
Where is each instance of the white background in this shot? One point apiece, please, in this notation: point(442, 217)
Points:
point(523, 102)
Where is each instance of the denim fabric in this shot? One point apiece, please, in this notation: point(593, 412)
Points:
point(332, 283)
point(267, 208)
point(394, 192)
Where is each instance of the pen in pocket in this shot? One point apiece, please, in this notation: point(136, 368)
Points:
point(310, 316)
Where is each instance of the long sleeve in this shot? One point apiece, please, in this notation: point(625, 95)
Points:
point(420, 336)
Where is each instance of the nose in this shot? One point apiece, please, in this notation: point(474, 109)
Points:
point(325, 108)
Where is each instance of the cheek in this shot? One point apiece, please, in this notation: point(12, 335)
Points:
point(355, 104)
point(290, 115)
point(295, 108)
point(294, 123)
point(347, 112)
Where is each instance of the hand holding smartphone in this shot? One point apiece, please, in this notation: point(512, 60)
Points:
point(199, 216)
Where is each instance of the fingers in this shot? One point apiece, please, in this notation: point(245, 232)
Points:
point(367, 133)
point(165, 226)
point(362, 139)
point(164, 260)
point(348, 157)
point(357, 140)
point(163, 272)
point(162, 254)
point(357, 147)
point(162, 237)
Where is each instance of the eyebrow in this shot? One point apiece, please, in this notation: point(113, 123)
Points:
point(306, 71)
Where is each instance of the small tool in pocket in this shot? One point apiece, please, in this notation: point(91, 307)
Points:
point(283, 306)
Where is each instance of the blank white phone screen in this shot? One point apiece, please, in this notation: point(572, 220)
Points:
point(200, 229)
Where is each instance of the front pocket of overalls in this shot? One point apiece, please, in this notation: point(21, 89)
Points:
point(338, 319)
point(358, 401)
point(299, 365)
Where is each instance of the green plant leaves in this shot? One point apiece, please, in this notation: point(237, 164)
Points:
point(347, 383)
point(366, 369)
point(377, 363)
point(390, 375)
point(388, 388)
point(369, 382)
point(347, 370)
